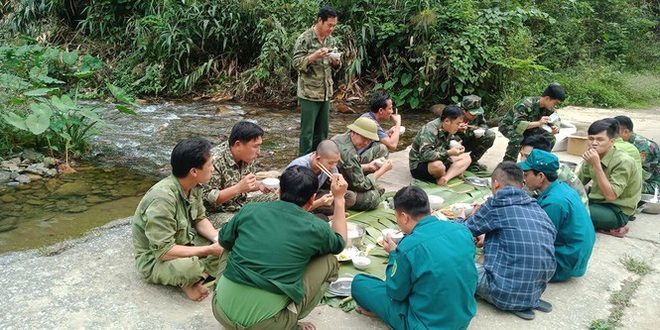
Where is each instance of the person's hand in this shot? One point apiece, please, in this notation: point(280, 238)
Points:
point(335, 61)
point(591, 157)
point(265, 190)
point(388, 244)
point(372, 167)
point(544, 120)
point(396, 119)
point(387, 165)
point(391, 131)
point(462, 127)
point(216, 249)
point(479, 240)
point(338, 186)
point(326, 200)
point(555, 129)
point(320, 53)
point(475, 207)
point(248, 183)
point(455, 151)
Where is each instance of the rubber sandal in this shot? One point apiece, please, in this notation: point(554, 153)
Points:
point(527, 314)
point(618, 232)
point(544, 306)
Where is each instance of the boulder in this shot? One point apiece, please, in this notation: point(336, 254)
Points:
point(5, 177)
point(32, 156)
point(23, 179)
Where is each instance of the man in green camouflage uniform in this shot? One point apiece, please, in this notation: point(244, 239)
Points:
point(167, 250)
point(648, 152)
point(361, 132)
point(313, 59)
point(528, 117)
point(473, 118)
point(234, 173)
point(564, 173)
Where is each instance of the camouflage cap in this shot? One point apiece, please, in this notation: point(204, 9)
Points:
point(472, 104)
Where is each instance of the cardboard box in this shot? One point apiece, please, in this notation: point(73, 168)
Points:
point(577, 145)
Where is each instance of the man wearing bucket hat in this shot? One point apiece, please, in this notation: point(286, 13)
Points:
point(575, 232)
point(477, 139)
point(361, 132)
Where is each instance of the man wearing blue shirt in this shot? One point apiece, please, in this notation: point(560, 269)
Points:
point(381, 111)
point(575, 232)
point(519, 252)
point(431, 276)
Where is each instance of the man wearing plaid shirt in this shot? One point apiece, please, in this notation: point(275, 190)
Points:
point(519, 252)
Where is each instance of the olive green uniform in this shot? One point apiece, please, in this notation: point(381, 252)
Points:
point(477, 146)
point(430, 144)
point(516, 121)
point(648, 152)
point(164, 218)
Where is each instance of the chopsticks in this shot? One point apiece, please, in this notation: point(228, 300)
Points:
point(396, 111)
point(325, 170)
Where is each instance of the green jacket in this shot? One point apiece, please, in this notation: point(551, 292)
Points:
point(469, 132)
point(648, 152)
point(314, 79)
point(350, 166)
point(516, 121)
point(430, 144)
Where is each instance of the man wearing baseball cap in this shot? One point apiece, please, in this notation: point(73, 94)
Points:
point(575, 232)
point(477, 143)
point(361, 133)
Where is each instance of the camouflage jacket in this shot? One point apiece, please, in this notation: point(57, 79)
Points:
point(469, 132)
point(226, 173)
point(648, 152)
point(516, 120)
point(431, 143)
point(314, 79)
point(164, 218)
point(565, 174)
point(350, 166)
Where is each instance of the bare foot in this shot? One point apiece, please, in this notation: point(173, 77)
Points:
point(196, 292)
point(442, 181)
point(365, 312)
point(306, 326)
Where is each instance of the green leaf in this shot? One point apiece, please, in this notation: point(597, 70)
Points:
point(414, 102)
point(59, 104)
point(89, 114)
point(41, 110)
point(405, 79)
point(40, 91)
point(459, 88)
point(48, 80)
point(81, 74)
point(124, 109)
point(37, 124)
point(388, 85)
point(8, 81)
point(121, 95)
point(378, 86)
point(15, 120)
point(70, 58)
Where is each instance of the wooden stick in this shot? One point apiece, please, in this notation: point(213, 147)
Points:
point(324, 170)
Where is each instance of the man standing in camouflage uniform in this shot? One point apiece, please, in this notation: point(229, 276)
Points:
point(167, 251)
point(531, 116)
point(234, 173)
point(361, 132)
point(648, 152)
point(432, 157)
point(313, 59)
point(473, 118)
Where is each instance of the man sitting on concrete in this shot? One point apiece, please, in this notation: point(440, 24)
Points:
point(564, 173)
point(326, 155)
point(436, 155)
point(519, 252)
point(361, 132)
point(430, 278)
point(280, 258)
point(616, 182)
point(626, 147)
point(648, 152)
point(575, 232)
point(167, 251)
point(531, 116)
point(476, 144)
point(381, 111)
point(234, 173)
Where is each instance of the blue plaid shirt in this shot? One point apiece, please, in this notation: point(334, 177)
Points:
point(519, 251)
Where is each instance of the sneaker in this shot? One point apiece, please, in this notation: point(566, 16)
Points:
point(527, 314)
point(544, 306)
point(477, 167)
point(617, 232)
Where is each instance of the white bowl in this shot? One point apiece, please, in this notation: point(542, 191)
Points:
point(335, 55)
point(454, 144)
point(271, 183)
point(435, 202)
point(380, 161)
point(456, 208)
point(479, 132)
point(361, 263)
point(395, 234)
point(402, 129)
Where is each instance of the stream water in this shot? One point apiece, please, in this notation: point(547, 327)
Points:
point(132, 153)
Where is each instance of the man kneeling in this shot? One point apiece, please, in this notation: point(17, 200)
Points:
point(281, 257)
point(431, 277)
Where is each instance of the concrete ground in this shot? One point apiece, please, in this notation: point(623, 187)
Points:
point(91, 282)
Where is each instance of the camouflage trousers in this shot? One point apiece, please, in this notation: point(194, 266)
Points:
point(367, 200)
point(376, 150)
point(185, 271)
point(349, 198)
point(477, 146)
point(648, 187)
point(513, 148)
point(219, 219)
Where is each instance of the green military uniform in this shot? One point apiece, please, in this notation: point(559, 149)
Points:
point(368, 193)
point(630, 150)
point(648, 152)
point(315, 89)
point(566, 175)
point(164, 218)
point(626, 181)
point(430, 144)
point(515, 122)
point(477, 146)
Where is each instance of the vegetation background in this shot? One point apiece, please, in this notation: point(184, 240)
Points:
point(606, 53)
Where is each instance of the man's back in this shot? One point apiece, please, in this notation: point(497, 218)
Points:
point(438, 259)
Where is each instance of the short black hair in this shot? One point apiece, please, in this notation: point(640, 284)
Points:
point(537, 142)
point(412, 200)
point(608, 124)
point(298, 184)
point(326, 12)
point(550, 176)
point(452, 112)
point(555, 92)
point(624, 122)
point(189, 153)
point(244, 131)
point(509, 173)
point(379, 100)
